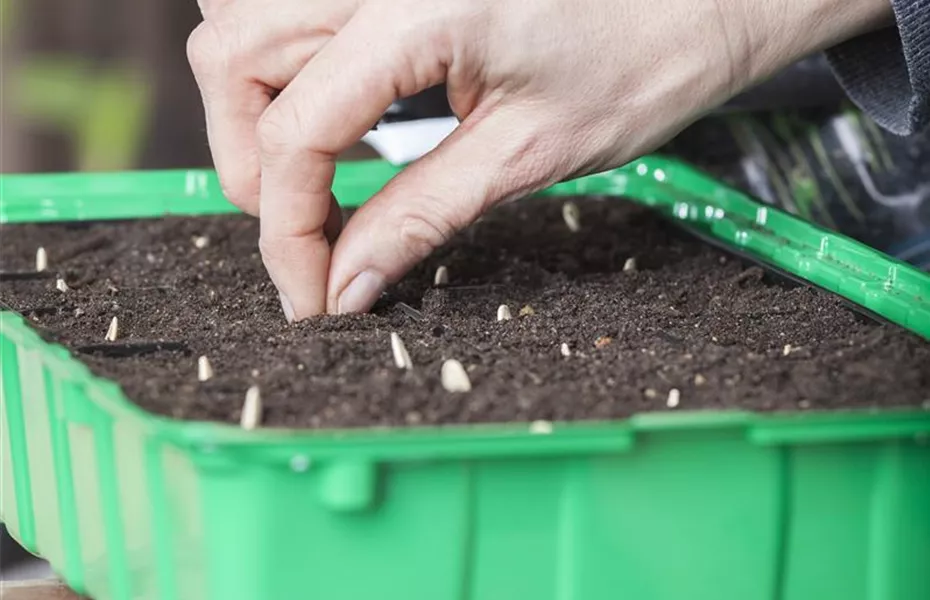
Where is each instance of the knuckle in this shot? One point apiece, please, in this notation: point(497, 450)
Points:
point(203, 48)
point(420, 234)
point(278, 131)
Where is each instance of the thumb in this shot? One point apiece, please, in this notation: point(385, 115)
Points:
point(487, 159)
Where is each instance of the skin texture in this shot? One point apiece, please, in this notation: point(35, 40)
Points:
point(545, 90)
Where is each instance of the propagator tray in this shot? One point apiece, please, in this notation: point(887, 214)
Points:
point(704, 505)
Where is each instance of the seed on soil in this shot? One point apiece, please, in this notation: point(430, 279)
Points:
point(251, 409)
point(650, 393)
point(564, 350)
point(699, 379)
point(204, 369)
point(112, 330)
point(603, 341)
point(629, 265)
point(787, 350)
point(674, 397)
point(572, 216)
point(527, 311)
point(401, 356)
point(503, 313)
point(201, 242)
point(61, 286)
point(441, 277)
point(41, 260)
point(454, 378)
point(541, 427)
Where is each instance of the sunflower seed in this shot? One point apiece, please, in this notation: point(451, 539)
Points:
point(201, 242)
point(112, 331)
point(572, 216)
point(401, 356)
point(503, 313)
point(565, 350)
point(629, 265)
point(674, 397)
point(454, 378)
point(204, 369)
point(251, 409)
point(41, 260)
point(441, 277)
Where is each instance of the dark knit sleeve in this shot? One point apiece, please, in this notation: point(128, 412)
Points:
point(887, 72)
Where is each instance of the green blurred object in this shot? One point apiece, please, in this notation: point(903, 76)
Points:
point(104, 109)
point(704, 506)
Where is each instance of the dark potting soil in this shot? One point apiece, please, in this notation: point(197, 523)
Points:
point(723, 333)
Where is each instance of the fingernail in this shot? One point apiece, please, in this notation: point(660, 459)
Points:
point(361, 294)
point(287, 307)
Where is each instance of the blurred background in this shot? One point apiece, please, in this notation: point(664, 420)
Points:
point(99, 85)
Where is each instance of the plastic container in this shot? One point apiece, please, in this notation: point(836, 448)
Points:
point(711, 505)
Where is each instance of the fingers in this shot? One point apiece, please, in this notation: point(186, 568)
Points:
point(241, 56)
point(329, 106)
point(488, 159)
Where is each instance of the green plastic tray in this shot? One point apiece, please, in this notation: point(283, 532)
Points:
point(703, 506)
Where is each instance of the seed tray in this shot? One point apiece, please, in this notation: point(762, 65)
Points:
point(708, 505)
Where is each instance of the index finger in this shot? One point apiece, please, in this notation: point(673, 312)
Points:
point(328, 107)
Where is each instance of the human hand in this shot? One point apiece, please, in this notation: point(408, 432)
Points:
point(545, 89)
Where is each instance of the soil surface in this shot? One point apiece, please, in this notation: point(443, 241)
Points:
point(721, 332)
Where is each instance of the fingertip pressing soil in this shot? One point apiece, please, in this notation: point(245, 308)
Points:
point(689, 317)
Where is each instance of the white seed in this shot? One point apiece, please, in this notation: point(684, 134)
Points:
point(565, 350)
point(41, 259)
point(204, 369)
point(541, 427)
point(629, 265)
point(201, 242)
point(401, 356)
point(454, 378)
point(699, 379)
point(572, 216)
point(674, 397)
point(112, 330)
point(61, 286)
point(441, 277)
point(786, 350)
point(251, 409)
point(503, 313)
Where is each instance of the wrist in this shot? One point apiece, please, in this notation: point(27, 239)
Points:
point(784, 31)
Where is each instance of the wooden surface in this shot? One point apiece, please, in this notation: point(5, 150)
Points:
point(36, 590)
